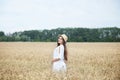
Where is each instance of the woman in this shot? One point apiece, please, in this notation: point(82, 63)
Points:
point(60, 54)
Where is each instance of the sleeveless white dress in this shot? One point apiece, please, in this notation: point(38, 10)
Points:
point(59, 65)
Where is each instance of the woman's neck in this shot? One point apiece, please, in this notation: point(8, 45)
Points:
point(61, 44)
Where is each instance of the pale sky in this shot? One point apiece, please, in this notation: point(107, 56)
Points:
point(20, 15)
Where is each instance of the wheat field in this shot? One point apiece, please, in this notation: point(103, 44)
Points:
point(86, 61)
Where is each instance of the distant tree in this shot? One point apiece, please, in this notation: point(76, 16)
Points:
point(2, 33)
point(108, 34)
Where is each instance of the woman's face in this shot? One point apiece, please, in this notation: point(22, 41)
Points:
point(60, 40)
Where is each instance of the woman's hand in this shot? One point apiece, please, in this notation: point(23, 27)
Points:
point(54, 60)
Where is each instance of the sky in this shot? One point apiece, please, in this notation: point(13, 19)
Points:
point(20, 15)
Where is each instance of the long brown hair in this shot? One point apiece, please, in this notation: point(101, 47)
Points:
point(65, 48)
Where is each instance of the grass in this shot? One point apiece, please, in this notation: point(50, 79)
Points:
point(32, 61)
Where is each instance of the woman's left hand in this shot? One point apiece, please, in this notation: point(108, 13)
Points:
point(52, 61)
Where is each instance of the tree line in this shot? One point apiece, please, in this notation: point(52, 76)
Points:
point(108, 34)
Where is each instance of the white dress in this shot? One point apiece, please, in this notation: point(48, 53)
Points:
point(59, 53)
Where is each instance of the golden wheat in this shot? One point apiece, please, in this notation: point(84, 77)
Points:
point(32, 61)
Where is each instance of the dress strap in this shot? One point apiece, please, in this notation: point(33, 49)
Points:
point(59, 50)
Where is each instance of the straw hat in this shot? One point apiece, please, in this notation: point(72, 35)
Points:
point(64, 37)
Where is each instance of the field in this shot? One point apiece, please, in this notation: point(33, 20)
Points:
point(32, 61)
